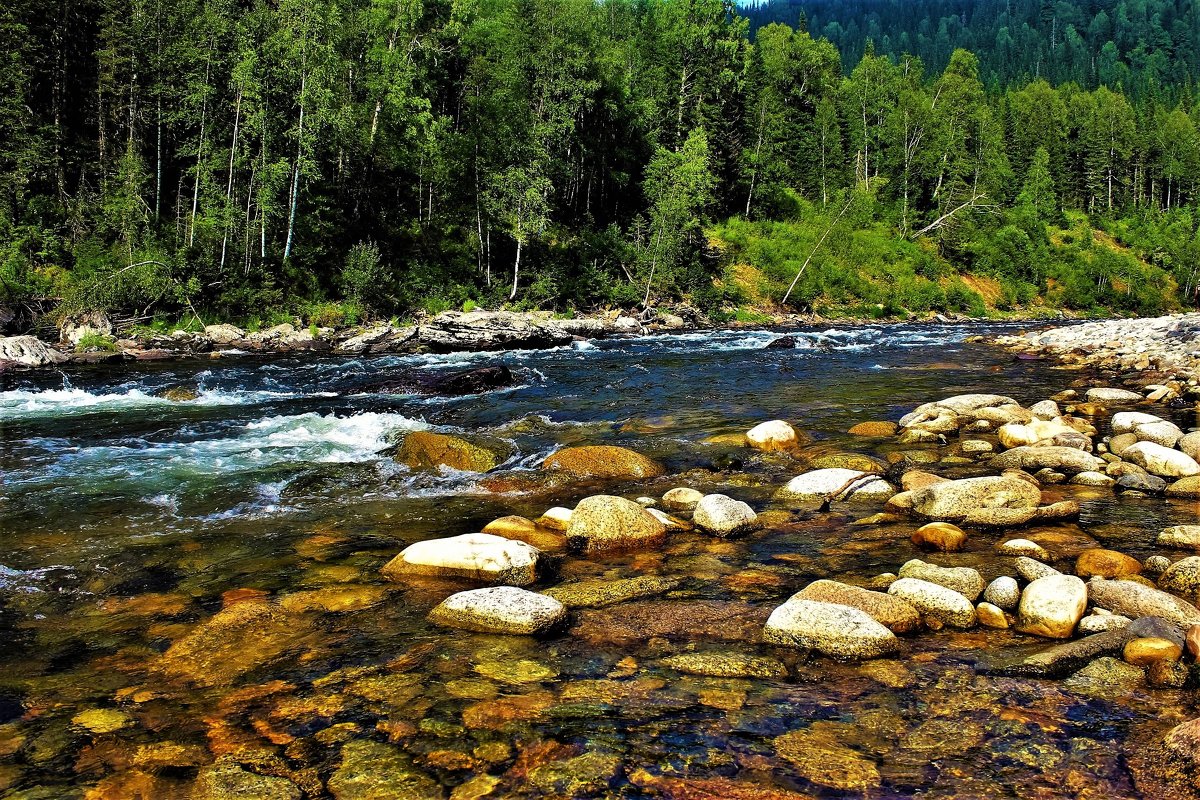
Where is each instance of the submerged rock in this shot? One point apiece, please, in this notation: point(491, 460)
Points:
point(588, 774)
point(601, 592)
point(501, 609)
point(819, 757)
point(605, 462)
point(429, 450)
point(894, 613)
point(835, 630)
point(1052, 606)
point(724, 516)
point(474, 556)
point(603, 522)
point(179, 394)
point(376, 771)
point(226, 781)
point(726, 665)
point(235, 640)
point(1053, 662)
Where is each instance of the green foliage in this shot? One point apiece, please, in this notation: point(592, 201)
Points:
point(331, 159)
point(332, 315)
point(364, 277)
point(95, 341)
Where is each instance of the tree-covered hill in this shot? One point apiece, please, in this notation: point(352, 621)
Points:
point(326, 158)
point(1138, 45)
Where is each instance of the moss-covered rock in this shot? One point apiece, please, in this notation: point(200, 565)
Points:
point(429, 450)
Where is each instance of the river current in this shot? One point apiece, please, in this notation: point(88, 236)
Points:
point(127, 520)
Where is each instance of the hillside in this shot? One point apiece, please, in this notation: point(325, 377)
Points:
point(342, 159)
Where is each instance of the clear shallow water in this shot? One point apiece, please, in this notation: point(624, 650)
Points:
point(126, 520)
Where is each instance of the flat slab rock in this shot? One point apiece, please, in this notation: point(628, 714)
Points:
point(501, 609)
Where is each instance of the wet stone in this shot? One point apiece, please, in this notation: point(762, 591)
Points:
point(587, 774)
point(228, 781)
point(726, 665)
point(602, 592)
point(819, 757)
point(374, 771)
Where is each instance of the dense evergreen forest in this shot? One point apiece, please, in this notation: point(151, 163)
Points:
point(334, 158)
point(1141, 46)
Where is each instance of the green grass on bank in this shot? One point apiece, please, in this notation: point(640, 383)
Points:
point(1012, 265)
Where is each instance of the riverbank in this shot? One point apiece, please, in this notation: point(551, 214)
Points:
point(93, 338)
point(1159, 356)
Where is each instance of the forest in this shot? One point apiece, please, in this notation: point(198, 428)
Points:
point(332, 160)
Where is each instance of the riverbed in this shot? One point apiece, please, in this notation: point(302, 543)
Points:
point(128, 521)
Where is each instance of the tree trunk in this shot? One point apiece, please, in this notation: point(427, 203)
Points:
point(199, 153)
point(516, 272)
point(295, 199)
point(237, 118)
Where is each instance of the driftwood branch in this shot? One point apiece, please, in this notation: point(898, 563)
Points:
point(820, 242)
point(944, 218)
point(849, 486)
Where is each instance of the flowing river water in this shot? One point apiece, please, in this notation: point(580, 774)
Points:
point(127, 521)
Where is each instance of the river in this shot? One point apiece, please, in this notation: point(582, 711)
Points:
point(127, 519)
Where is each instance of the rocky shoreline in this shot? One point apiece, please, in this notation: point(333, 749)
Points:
point(450, 331)
point(1160, 355)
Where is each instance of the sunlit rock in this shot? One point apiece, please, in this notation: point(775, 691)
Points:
point(829, 628)
point(933, 600)
point(500, 609)
point(605, 522)
point(474, 556)
point(723, 516)
point(603, 461)
point(1052, 606)
point(775, 435)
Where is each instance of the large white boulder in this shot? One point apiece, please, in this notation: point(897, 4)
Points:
point(1161, 461)
point(771, 436)
point(475, 556)
point(819, 485)
point(829, 628)
point(1052, 606)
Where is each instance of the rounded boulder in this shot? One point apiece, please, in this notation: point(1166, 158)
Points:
point(603, 522)
point(835, 630)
